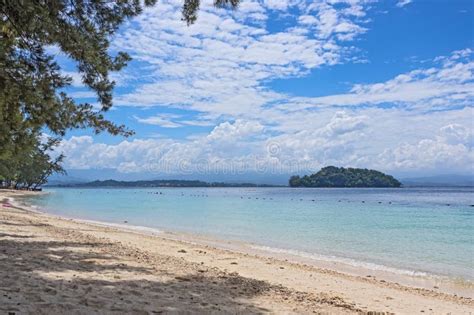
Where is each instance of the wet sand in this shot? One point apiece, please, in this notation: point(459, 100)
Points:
point(52, 265)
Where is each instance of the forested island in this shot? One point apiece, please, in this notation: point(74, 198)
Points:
point(332, 176)
point(159, 183)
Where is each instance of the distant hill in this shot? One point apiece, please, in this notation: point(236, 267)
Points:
point(157, 183)
point(440, 180)
point(332, 176)
point(75, 176)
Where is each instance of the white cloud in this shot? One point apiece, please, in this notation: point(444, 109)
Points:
point(162, 121)
point(278, 4)
point(197, 123)
point(239, 129)
point(429, 154)
point(171, 121)
point(342, 123)
point(83, 94)
point(457, 134)
point(330, 21)
point(402, 3)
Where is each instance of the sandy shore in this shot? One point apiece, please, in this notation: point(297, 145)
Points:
point(52, 265)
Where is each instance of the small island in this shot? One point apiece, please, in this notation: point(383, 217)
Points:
point(332, 176)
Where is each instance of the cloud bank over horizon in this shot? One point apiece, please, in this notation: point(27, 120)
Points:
point(271, 88)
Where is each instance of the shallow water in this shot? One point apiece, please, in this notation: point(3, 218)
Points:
point(408, 230)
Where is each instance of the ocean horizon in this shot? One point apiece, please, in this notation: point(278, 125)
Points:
point(409, 231)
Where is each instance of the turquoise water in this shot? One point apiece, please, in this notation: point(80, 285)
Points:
point(412, 230)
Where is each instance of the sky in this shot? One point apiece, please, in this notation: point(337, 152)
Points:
point(287, 87)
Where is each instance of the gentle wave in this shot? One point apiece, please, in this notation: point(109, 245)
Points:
point(137, 228)
point(347, 261)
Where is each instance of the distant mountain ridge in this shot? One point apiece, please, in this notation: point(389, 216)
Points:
point(158, 183)
point(89, 175)
point(440, 180)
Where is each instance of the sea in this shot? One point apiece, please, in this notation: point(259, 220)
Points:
point(412, 231)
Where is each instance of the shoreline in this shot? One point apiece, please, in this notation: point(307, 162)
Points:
point(305, 272)
point(420, 279)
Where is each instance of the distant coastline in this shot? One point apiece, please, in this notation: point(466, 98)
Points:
point(159, 183)
point(448, 180)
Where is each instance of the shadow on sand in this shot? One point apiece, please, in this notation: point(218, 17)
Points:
point(76, 277)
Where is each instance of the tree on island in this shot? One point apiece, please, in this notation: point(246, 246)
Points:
point(332, 176)
point(33, 99)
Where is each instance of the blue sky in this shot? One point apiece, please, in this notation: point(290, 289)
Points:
point(282, 87)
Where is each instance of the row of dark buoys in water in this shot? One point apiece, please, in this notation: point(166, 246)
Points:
point(262, 198)
point(340, 200)
point(241, 197)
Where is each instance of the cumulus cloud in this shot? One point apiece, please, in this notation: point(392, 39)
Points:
point(429, 154)
point(457, 134)
point(238, 130)
point(393, 141)
point(343, 123)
